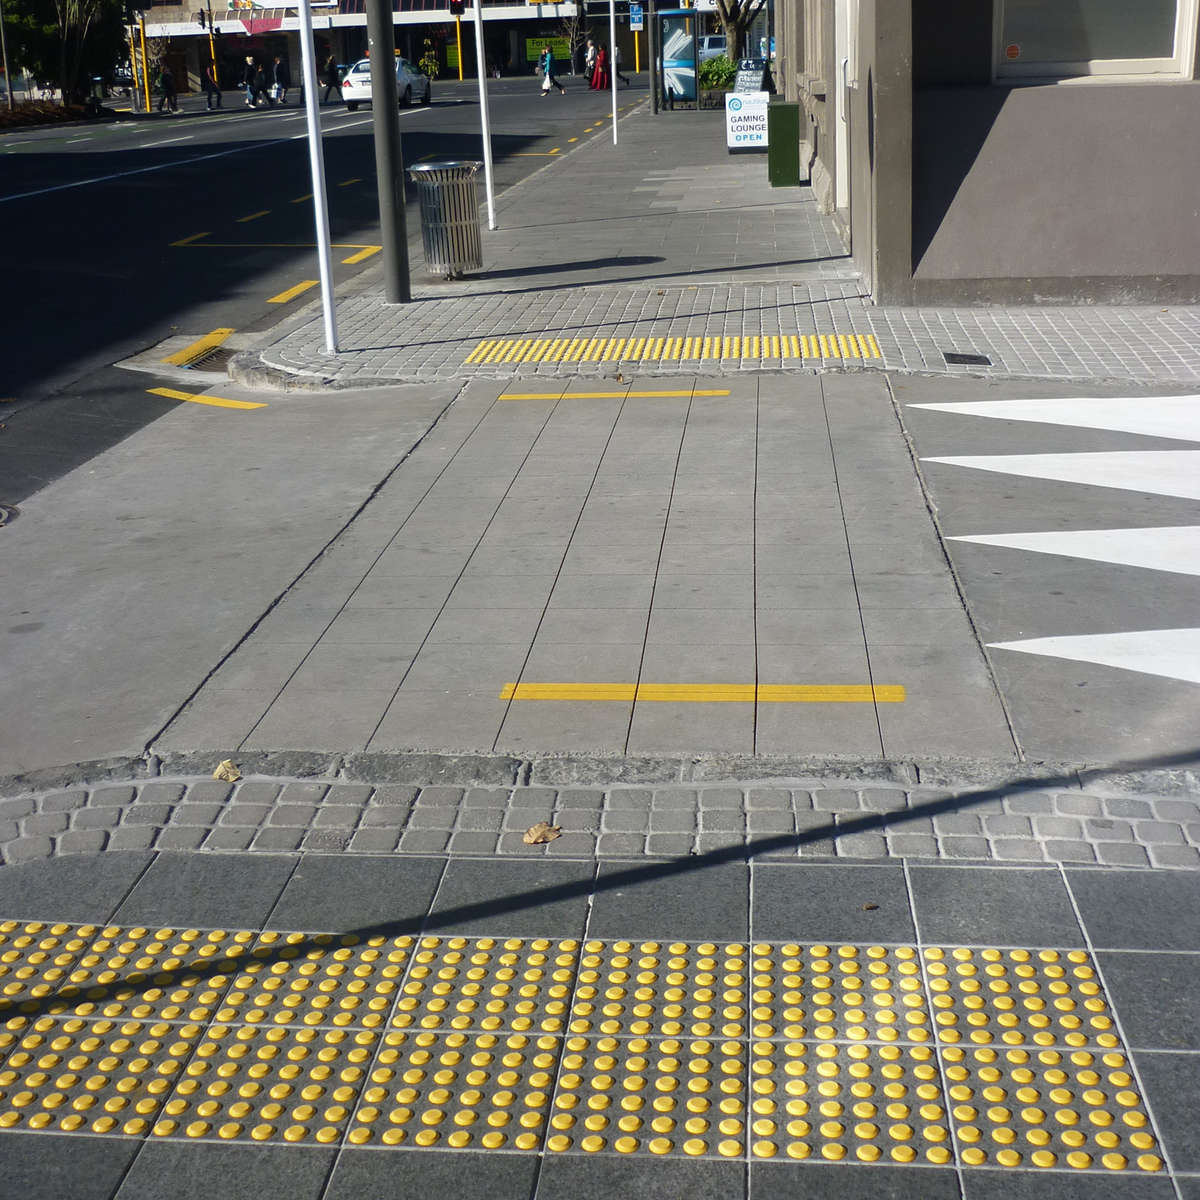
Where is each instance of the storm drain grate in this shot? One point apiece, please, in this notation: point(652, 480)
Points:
point(8, 513)
point(216, 358)
point(955, 359)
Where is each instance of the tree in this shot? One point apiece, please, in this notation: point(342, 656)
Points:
point(736, 17)
point(574, 29)
point(66, 40)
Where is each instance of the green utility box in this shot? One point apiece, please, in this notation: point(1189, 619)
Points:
point(783, 144)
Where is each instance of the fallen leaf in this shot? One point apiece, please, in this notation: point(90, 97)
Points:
point(227, 772)
point(870, 907)
point(535, 835)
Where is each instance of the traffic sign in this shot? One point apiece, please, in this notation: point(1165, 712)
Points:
point(635, 17)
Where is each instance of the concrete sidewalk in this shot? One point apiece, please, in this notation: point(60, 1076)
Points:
point(666, 254)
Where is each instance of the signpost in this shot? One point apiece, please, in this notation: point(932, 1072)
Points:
point(636, 27)
point(746, 120)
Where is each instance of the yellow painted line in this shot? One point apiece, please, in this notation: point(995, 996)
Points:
point(572, 139)
point(707, 693)
point(479, 351)
point(200, 398)
point(253, 216)
point(348, 182)
point(189, 354)
point(556, 150)
point(187, 241)
point(364, 253)
point(292, 293)
point(301, 199)
point(873, 346)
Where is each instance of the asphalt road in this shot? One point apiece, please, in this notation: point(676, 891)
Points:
point(103, 261)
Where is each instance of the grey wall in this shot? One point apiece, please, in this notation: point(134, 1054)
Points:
point(1067, 192)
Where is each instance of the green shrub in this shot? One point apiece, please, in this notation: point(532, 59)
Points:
point(428, 62)
point(718, 72)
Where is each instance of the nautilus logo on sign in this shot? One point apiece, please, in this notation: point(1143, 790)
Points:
point(735, 104)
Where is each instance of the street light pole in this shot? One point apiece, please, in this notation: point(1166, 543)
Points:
point(4, 55)
point(485, 121)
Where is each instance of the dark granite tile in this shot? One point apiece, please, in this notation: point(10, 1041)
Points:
point(993, 907)
point(1139, 910)
point(222, 890)
point(709, 904)
point(1171, 1090)
point(807, 902)
point(602, 1177)
point(1155, 997)
point(1189, 1188)
point(421, 1174)
point(530, 898)
point(339, 892)
point(805, 1181)
point(84, 888)
point(204, 1171)
point(49, 1166)
point(1062, 1185)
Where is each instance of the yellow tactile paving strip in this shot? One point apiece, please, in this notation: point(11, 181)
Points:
point(941, 1056)
point(491, 351)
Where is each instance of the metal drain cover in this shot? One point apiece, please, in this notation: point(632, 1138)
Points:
point(8, 513)
point(954, 358)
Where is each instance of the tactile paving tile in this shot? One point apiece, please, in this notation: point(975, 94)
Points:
point(1018, 997)
point(848, 1101)
point(1018, 1107)
point(35, 957)
point(458, 1091)
point(103, 1076)
point(661, 1095)
point(270, 1085)
point(317, 979)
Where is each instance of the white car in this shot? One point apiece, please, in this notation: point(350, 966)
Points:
point(712, 45)
point(356, 84)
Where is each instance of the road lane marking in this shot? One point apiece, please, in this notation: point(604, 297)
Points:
point(364, 253)
point(293, 292)
point(253, 216)
point(348, 182)
point(198, 348)
point(301, 199)
point(167, 142)
point(187, 241)
point(200, 398)
point(709, 693)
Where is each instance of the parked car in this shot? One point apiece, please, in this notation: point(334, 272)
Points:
point(356, 83)
point(712, 45)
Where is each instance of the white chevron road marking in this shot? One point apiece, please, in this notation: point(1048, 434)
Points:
point(1171, 548)
point(1170, 653)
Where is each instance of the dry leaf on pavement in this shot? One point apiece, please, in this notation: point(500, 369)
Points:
point(535, 835)
point(227, 772)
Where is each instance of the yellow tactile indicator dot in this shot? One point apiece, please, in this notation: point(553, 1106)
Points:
point(843, 347)
point(935, 1056)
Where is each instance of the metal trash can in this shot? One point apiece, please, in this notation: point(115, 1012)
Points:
point(449, 216)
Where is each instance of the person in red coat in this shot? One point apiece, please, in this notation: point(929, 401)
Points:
point(600, 79)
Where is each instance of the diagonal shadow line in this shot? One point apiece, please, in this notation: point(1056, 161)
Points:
point(66, 998)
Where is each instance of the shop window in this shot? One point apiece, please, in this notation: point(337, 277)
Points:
point(1051, 39)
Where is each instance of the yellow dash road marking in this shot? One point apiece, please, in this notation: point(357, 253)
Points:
point(292, 293)
point(708, 693)
point(187, 241)
point(200, 398)
point(365, 252)
point(301, 199)
point(253, 216)
point(189, 354)
point(348, 182)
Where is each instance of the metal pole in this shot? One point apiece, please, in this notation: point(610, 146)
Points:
point(145, 64)
point(652, 50)
point(485, 122)
point(135, 85)
point(458, 40)
point(212, 49)
point(317, 164)
point(612, 61)
point(4, 55)
point(389, 162)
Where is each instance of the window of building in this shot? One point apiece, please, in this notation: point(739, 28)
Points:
point(1063, 38)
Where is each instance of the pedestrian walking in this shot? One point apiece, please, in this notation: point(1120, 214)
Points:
point(166, 86)
point(262, 85)
point(281, 80)
point(249, 75)
point(332, 78)
point(212, 86)
point(617, 66)
point(589, 61)
point(600, 79)
point(546, 62)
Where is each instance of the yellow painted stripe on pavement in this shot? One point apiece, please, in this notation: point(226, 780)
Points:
point(293, 292)
point(671, 348)
point(189, 354)
point(362, 254)
point(200, 398)
point(253, 216)
point(301, 199)
point(187, 241)
point(348, 182)
point(479, 351)
point(708, 693)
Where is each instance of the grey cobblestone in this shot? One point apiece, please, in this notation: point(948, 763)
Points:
point(903, 823)
point(802, 801)
point(884, 799)
point(9, 830)
point(389, 818)
point(577, 819)
point(629, 798)
point(676, 798)
point(706, 843)
point(11, 810)
point(432, 818)
point(1159, 832)
point(133, 837)
point(1122, 806)
point(580, 798)
point(520, 819)
point(1058, 827)
point(245, 814)
point(957, 823)
point(113, 797)
point(1029, 804)
point(1109, 831)
point(161, 793)
point(768, 821)
point(814, 828)
point(1122, 854)
point(25, 849)
point(835, 800)
point(424, 841)
point(1193, 833)
point(57, 802)
point(512, 843)
point(338, 816)
point(716, 798)
point(229, 838)
point(473, 842)
point(669, 845)
point(1076, 805)
point(357, 794)
point(625, 821)
point(147, 814)
point(1175, 856)
point(81, 841)
point(620, 844)
point(1023, 849)
point(390, 796)
point(486, 798)
point(862, 845)
point(257, 792)
point(1007, 826)
point(292, 814)
point(208, 791)
point(480, 820)
point(672, 821)
point(52, 822)
point(722, 820)
point(912, 845)
point(439, 797)
point(309, 793)
point(1067, 851)
point(277, 838)
point(375, 841)
point(326, 840)
point(573, 845)
point(196, 814)
point(965, 847)
point(768, 798)
point(186, 837)
point(95, 818)
point(1177, 810)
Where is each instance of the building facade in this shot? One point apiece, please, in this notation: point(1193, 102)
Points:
point(1004, 151)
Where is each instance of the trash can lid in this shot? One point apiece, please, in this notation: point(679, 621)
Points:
point(455, 164)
